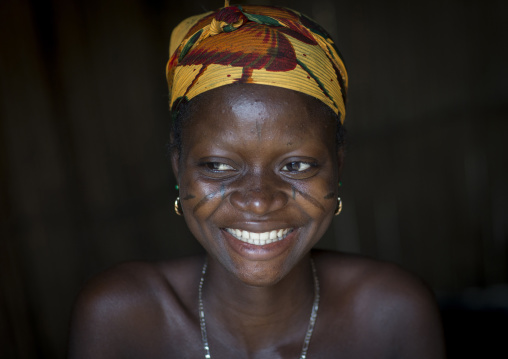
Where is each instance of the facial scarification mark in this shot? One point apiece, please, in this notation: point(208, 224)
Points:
point(222, 191)
point(312, 200)
point(189, 196)
point(330, 195)
point(203, 201)
point(293, 194)
point(258, 130)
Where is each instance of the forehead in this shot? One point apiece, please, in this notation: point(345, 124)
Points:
point(269, 111)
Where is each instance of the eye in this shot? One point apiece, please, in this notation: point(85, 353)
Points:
point(297, 166)
point(218, 166)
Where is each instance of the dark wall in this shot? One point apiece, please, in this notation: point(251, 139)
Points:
point(85, 183)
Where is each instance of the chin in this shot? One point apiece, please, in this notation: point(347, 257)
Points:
point(259, 278)
point(261, 273)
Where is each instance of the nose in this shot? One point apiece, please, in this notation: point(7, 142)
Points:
point(259, 194)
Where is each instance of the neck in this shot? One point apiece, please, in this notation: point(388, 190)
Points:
point(258, 316)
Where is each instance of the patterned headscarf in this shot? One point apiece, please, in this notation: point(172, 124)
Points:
point(255, 44)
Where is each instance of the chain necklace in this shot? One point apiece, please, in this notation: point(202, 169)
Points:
point(312, 320)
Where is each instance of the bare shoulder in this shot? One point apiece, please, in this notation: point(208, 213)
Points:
point(394, 307)
point(376, 280)
point(131, 285)
point(126, 302)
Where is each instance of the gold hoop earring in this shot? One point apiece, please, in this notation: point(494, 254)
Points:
point(178, 206)
point(339, 206)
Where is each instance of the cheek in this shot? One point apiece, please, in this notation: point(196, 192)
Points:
point(318, 196)
point(199, 199)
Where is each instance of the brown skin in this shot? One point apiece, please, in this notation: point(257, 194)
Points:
point(257, 158)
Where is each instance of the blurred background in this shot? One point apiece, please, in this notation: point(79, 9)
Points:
point(85, 182)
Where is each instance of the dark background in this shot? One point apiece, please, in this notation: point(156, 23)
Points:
point(85, 182)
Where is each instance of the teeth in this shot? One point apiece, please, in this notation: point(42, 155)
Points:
point(259, 239)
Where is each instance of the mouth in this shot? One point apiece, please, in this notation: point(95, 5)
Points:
point(259, 239)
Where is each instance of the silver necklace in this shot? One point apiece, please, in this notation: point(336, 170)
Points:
point(310, 329)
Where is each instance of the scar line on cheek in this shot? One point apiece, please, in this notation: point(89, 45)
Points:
point(204, 200)
point(189, 196)
point(329, 195)
point(311, 200)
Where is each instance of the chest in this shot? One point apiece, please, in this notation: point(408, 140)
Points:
point(176, 333)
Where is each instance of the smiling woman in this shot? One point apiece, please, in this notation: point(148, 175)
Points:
point(258, 161)
point(257, 101)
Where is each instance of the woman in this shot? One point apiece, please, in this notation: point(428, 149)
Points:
point(257, 100)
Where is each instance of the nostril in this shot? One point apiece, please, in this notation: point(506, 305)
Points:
point(258, 201)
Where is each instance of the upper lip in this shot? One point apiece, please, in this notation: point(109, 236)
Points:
point(259, 238)
point(259, 227)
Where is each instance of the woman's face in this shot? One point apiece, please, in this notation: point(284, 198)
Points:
point(258, 177)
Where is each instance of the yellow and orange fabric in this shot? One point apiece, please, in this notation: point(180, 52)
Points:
point(255, 44)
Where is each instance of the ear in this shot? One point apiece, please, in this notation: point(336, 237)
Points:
point(340, 161)
point(175, 160)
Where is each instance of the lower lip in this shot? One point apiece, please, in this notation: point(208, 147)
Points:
point(259, 252)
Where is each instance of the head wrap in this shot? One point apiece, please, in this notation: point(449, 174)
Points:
point(255, 44)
